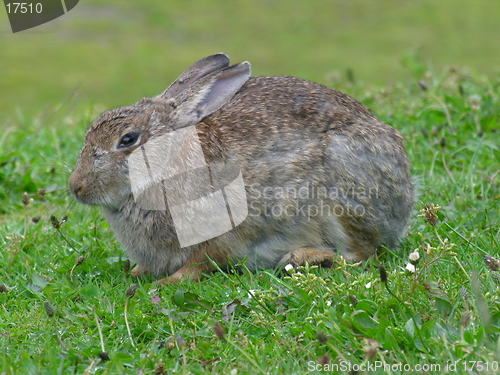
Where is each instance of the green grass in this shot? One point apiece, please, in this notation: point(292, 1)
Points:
point(113, 51)
point(448, 311)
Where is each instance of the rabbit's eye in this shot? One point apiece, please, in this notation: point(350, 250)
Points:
point(129, 139)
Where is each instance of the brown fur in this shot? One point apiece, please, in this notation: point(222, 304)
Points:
point(283, 134)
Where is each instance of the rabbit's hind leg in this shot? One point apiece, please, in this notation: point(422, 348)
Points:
point(311, 255)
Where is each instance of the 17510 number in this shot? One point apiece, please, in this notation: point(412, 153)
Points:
point(24, 7)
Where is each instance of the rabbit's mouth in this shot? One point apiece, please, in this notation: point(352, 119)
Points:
point(102, 201)
point(98, 193)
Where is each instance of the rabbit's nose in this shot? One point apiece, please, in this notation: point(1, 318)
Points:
point(75, 185)
point(76, 190)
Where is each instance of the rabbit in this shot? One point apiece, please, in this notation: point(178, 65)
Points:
point(319, 176)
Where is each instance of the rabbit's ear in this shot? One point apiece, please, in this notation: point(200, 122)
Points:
point(199, 69)
point(209, 94)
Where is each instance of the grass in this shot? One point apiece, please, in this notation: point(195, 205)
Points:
point(113, 51)
point(68, 304)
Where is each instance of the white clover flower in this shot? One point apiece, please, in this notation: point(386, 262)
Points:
point(410, 267)
point(289, 268)
point(415, 256)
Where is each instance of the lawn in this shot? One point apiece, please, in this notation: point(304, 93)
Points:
point(68, 304)
point(109, 53)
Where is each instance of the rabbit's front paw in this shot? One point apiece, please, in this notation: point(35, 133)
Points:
point(139, 271)
point(184, 274)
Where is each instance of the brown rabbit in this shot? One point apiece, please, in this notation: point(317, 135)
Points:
point(270, 170)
